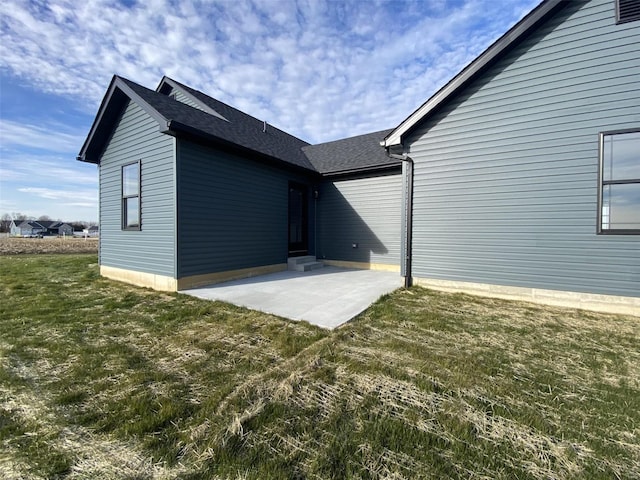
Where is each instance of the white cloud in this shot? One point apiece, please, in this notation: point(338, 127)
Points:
point(65, 204)
point(20, 169)
point(318, 69)
point(50, 137)
point(48, 184)
point(75, 197)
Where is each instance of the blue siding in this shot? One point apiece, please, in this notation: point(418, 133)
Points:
point(232, 212)
point(365, 211)
point(136, 137)
point(506, 173)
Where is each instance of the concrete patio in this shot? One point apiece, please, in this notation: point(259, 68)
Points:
point(327, 297)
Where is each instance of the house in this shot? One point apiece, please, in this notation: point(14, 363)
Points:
point(28, 228)
point(56, 228)
point(500, 184)
point(14, 227)
point(61, 229)
point(527, 163)
point(193, 191)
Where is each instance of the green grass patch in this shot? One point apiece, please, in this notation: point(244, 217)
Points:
point(103, 380)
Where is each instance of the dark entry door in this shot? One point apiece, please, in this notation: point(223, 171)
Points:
point(298, 220)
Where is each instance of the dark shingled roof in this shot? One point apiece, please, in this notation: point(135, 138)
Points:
point(350, 154)
point(235, 130)
point(347, 155)
point(240, 129)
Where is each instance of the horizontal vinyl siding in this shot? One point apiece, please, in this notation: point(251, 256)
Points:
point(181, 97)
point(365, 211)
point(233, 212)
point(136, 137)
point(506, 173)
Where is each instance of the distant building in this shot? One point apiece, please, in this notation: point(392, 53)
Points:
point(29, 228)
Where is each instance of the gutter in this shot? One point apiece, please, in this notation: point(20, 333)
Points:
point(408, 226)
point(354, 171)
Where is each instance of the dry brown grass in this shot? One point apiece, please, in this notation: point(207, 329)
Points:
point(20, 246)
point(121, 382)
point(483, 388)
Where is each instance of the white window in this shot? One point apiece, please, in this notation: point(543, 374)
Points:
point(131, 196)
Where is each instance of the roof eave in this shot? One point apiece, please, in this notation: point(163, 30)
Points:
point(359, 170)
point(490, 55)
point(176, 128)
point(103, 119)
point(82, 156)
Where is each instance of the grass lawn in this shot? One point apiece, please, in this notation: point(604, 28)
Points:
point(103, 380)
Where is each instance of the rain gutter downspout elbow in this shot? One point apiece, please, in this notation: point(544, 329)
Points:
point(408, 217)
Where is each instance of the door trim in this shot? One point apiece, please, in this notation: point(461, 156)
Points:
point(298, 220)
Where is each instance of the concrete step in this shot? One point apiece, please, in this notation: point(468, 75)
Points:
point(306, 267)
point(304, 264)
point(304, 259)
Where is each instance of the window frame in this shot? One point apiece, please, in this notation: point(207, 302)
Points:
point(602, 183)
point(124, 198)
point(620, 20)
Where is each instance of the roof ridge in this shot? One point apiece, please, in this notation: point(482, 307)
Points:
point(339, 140)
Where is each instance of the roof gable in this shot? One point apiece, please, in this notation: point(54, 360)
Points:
point(30, 224)
point(500, 47)
point(232, 129)
point(242, 127)
point(48, 223)
point(117, 96)
point(168, 86)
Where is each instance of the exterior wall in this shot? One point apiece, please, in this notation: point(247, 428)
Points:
point(150, 250)
point(181, 97)
point(232, 212)
point(361, 210)
point(65, 230)
point(27, 229)
point(506, 173)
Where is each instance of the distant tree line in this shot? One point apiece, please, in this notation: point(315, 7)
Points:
point(5, 221)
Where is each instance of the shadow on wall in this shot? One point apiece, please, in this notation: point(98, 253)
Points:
point(355, 229)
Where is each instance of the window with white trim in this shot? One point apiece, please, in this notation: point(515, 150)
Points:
point(619, 182)
point(131, 196)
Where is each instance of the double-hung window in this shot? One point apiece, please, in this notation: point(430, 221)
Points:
point(619, 183)
point(131, 196)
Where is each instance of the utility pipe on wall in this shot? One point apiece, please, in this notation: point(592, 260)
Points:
point(408, 226)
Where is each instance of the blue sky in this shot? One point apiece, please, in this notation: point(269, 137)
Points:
point(320, 70)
